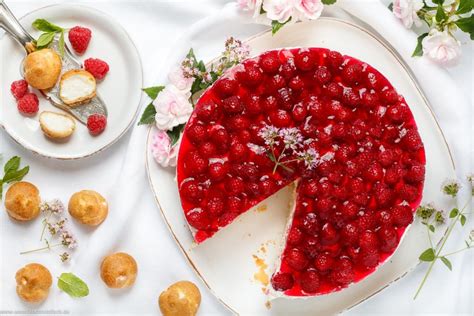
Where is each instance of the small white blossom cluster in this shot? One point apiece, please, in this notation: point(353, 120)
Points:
point(235, 52)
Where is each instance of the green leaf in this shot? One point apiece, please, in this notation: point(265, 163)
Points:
point(148, 116)
point(419, 48)
point(61, 44)
point(276, 26)
point(46, 26)
point(45, 39)
point(1, 189)
point(201, 66)
point(328, 2)
point(16, 175)
point(465, 6)
point(72, 285)
point(191, 55)
point(467, 25)
point(440, 14)
point(462, 219)
point(454, 212)
point(432, 228)
point(153, 92)
point(175, 133)
point(428, 255)
point(390, 6)
point(439, 2)
point(196, 85)
point(447, 263)
point(12, 165)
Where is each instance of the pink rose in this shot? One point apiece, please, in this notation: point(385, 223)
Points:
point(162, 151)
point(309, 9)
point(250, 5)
point(279, 10)
point(177, 78)
point(441, 48)
point(406, 11)
point(172, 108)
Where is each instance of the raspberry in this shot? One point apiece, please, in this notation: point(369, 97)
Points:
point(351, 98)
point(311, 224)
point(325, 188)
point(226, 87)
point(323, 205)
point(322, 75)
point(339, 131)
point(269, 103)
point(334, 59)
point(282, 281)
point(226, 218)
point(357, 185)
point(342, 272)
point(390, 96)
point(233, 105)
point(386, 157)
point(350, 234)
point(299, 112)
point(309, 281)
point(415, 173)
point(238, 151)
point(345, 152)
point(311, 246)
point(198, 219)
point(352, 73)
point(197, 133)
point(388, 237)
point(253, 106)
point(28, 104)
point(215, 206)
point(288, 69)
point(79, 37)
point(207, 149)
point(295, 236)
point(252, 189)
point(361, 199)
point(280, 118)
point(217, 171)
point(367, 222)
point(304, 60)
point(349, 210)
point(238, 123)
point(192, 191)
point(397, 113)
point(234, 204)
point(323, 262)
point(285, 98)
point(194, 163)
point(97, 67)
point(369, 258)
point(329, 234)
point(269, 63)
point(19, 88)
point(370, 100)
point(374, 172)
point(296, 83)
point(250, 172)
point(276, 83)
point(402, 215)
point(266, 187)
point(220, 137)
point(384, 218)
point(234, 185)
point(296, 259)
point(368, 240)
point(96, 123)
point(344, 115)
point(334, 90)
point(207, 111)
point(408, 193)
point(383, 194)
point(393, 174)
point(310, 188)
point(315, 107)
point(252, 76)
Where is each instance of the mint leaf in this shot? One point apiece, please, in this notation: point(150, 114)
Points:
point(432, 228)
point(276, 26)
point(72, 285)
point(46, 26)
point(454, 212)
point(419, 47)
point(196, 86)
point(427, 255)
point(447, 263)
point(153, 92)
point(467, 25)
point(12, 165)
point(61, 44)
point(328, 2)
point(440, 14)
point(462, 219)
point(175, 133)
point(148, 116)
point(44, 40)
point(16, 175)
point(465, 6)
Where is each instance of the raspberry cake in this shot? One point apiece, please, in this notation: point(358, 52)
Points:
point(335, 127)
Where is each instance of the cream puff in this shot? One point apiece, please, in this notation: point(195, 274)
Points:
point(180, 299)
point(33, 282)
point(57, 125)
point(42, 68)
point(88, 207)
point(118, 270)
point(22, 201)
point(77, 87)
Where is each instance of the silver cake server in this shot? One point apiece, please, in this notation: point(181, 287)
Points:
point(13, 27)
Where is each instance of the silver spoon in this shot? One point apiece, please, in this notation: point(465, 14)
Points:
point(13, 27)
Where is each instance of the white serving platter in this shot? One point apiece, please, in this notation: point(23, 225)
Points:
point(121, 88)
point(227, 262)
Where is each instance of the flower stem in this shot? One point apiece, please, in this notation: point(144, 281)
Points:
point(48, 247)
point(457, 251)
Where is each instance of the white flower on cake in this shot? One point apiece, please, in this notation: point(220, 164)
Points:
point(309, 9)
point(172, 108)
point(406, 11)
point(162, 151)
point(179, 80)
point(442, 48)
point(279, 10)
point(251, 6)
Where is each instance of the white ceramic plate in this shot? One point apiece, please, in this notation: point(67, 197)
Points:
point(121, 88)
point(226, 263)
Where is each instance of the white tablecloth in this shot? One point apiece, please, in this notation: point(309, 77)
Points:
point(120, 172)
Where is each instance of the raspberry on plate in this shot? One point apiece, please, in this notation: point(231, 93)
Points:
point(28, 104)
point(79, 37)
point(97, 67)
point(19, 88)
point(96, 124)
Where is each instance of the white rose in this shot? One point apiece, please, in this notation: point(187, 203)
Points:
point(309, 9)
point(162, 151)
point(406, 11)
point(172, 108)
point(279, 10)
point(442, 48)
point(177, 78)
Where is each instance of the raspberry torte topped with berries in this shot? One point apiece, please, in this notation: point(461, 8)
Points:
point(329, 123)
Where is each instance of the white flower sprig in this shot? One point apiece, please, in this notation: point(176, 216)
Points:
point(430, 217)
point(443, 18)
point(55, 223)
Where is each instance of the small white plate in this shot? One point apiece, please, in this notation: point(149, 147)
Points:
point(226, 263)
point(121, 88)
